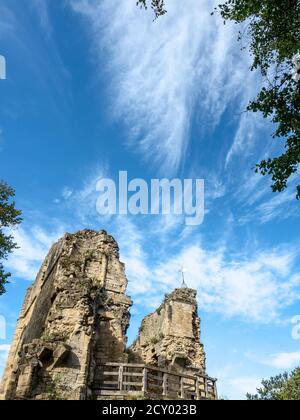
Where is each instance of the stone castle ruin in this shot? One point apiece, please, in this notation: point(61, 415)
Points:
point(70, 341)
point(170, 337)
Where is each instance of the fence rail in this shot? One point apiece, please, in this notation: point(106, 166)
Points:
point(138, 378)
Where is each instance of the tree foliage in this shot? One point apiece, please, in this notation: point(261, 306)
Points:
point(272, 32)
point(158, 6)
point(285, 387)
point(9, 217)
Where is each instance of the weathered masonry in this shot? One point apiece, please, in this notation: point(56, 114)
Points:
point(70, 341)
point(170, 337)
point(74, 318)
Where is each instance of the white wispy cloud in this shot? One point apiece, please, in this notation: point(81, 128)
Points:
point(2, 327)
point(67, 192)
point(278, 207)
point(130, 240)
point(4, 350)
point(82, 200)
point(246, 136)
point(162, 72)
point(233, 384)
point(242, 385)
point(257, 201)
point(287, 360)
point(255, 288)
point(183, 65)
point(41, 8)
point(7, 21)
point(33, 246)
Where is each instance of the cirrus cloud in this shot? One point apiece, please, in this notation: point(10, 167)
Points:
point(161, 73)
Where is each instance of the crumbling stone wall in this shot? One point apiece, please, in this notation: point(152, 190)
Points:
point(170, 337)
point(74, 318)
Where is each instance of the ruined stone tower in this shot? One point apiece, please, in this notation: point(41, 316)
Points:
point(74, 318)
point(70, 340)
point(170, 337)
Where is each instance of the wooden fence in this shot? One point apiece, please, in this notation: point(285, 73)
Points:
point(149, 380)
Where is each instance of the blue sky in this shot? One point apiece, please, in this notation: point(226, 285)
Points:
point(95, 87)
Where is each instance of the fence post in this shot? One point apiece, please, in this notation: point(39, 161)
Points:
point(197, 388)
point(206, 388)
point(182, 387)
point(121, 377)
point(165, 384)
point(216, 390)
point(145, 380)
